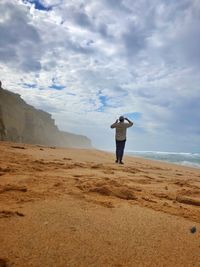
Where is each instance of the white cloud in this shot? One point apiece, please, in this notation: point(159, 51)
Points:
point(112, 57)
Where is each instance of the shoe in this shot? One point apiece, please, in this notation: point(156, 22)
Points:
point(116, 161)
point(121, 162)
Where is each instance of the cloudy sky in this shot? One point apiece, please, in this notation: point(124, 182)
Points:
point(89, 61)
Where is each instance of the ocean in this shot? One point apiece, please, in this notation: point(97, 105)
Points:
point(186, 159)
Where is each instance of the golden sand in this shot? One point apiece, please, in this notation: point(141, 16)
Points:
point(76, 207)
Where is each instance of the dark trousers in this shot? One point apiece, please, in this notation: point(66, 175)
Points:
point(120, 149)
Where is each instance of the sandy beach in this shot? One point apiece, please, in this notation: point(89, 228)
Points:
point(76, 207)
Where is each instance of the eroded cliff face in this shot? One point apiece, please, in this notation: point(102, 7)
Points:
point(20, 122)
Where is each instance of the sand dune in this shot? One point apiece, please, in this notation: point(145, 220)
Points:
point(72, 207)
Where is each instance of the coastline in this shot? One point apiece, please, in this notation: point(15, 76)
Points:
point(76, 207)
point(182, 158)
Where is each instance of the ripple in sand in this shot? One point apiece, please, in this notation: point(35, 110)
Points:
point(122, 193)
point(188, 200)
point(12, 188)
point(18, 147)
point(8, 214)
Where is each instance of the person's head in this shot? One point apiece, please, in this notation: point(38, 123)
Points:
point(121, 118)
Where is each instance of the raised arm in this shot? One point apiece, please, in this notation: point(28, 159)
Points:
point(114, 124)
point(130, 123)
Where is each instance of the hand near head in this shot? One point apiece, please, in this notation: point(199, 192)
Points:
point(128, 120)
point(116, 121)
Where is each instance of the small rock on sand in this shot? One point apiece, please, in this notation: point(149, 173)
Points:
point(193, 229)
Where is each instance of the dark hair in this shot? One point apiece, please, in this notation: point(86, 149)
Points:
point(121, 118)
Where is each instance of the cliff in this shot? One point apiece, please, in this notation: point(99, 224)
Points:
point(20, 122)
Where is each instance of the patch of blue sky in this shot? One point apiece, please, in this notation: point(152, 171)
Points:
point(103, 103)
point(103, 99)
point(57, 87)
point(38, 5)
point(133, 116)
point(29, 85)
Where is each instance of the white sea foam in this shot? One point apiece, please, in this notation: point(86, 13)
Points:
point(182, 158)
point(189, 164)
point(164, 153)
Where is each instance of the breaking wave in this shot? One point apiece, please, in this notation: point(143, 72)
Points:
point(186, 159)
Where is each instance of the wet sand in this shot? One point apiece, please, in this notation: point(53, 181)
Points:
point(76, 207)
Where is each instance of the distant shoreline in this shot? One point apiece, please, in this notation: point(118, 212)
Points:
point(183, 159)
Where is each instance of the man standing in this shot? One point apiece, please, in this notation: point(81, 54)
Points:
point(120, 136)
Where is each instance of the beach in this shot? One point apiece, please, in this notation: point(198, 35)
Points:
point(70, 207)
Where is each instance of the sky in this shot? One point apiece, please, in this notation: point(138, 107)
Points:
point(88, 62)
